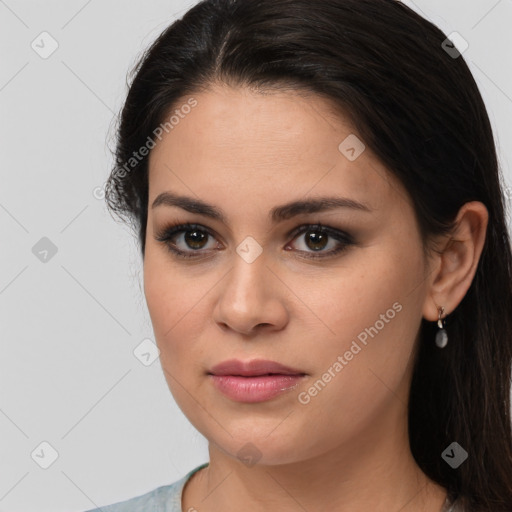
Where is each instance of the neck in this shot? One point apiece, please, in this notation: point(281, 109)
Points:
point(373, 473)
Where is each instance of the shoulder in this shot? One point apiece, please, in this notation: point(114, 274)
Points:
point(166, 498)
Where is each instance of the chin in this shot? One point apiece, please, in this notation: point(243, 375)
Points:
point(261, 445)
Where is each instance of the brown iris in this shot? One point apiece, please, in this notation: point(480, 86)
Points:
point(194, 238)
point(317, 240)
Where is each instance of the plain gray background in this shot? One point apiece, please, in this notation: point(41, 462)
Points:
point(69, 325)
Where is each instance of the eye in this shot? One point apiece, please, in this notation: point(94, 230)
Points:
point(318, 237)
point(191, 240)
point(193, 236)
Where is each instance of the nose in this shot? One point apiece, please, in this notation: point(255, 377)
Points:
point(251, 299)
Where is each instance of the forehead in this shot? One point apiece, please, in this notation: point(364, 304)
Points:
point(238, 145)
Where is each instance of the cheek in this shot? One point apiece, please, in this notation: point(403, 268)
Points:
point(352, 297)
point(168, 292)
point(167, 302)
point(176, 303)
point(375, 311)
point(174, 307)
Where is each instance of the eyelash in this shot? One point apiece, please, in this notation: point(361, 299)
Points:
point(169, 232)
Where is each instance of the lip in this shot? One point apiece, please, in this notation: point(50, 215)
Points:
point(254, 381)
point(253, 368)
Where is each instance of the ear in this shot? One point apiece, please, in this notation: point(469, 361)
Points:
point(453, 267)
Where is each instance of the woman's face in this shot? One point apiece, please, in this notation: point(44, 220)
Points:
point(341, 308)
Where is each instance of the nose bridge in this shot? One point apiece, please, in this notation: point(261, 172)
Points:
point(248, 297)
point(247, 283)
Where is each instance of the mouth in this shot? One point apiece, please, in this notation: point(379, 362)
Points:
point(254, 368)
point(254, 381)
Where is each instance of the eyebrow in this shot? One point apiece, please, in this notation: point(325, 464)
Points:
point(277, 214)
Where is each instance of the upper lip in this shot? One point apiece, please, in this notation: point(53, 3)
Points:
point(252, 368)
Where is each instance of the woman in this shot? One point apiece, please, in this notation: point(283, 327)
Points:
point(327, 267)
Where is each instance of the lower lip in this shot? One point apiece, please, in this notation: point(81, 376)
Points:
point(254, 389)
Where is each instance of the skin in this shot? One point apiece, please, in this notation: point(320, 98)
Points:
point(346, 449)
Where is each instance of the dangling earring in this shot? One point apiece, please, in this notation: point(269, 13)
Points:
point(441, 334)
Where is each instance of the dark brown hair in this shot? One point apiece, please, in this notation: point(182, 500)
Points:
point(419, 109)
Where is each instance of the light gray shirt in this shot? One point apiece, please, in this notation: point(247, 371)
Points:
point(167, 498)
